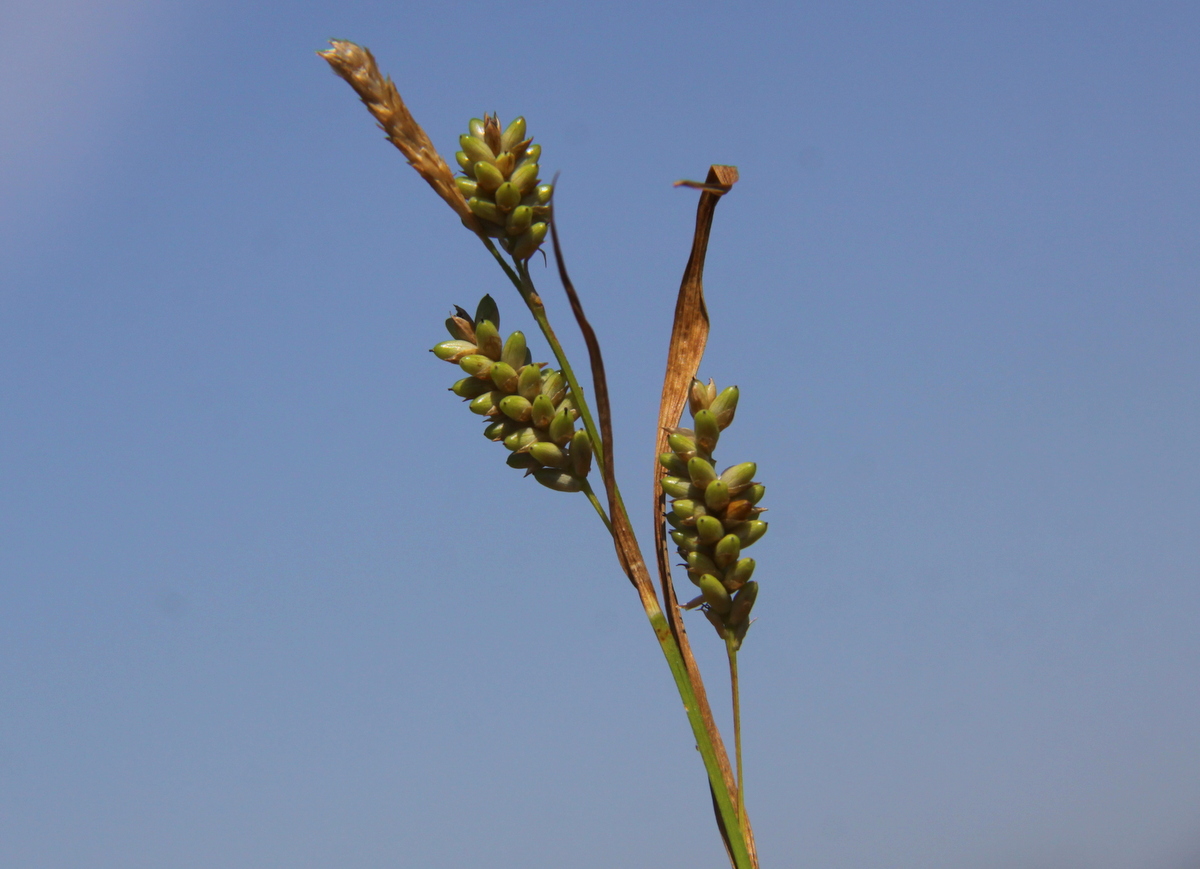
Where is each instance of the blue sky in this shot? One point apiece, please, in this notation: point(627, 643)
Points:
point(268, 600)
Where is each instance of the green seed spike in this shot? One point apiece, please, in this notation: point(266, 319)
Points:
point(475, 125)
point(715, 594)
point(710, 530)
point(581, 454)
point(676, 487)
point(543, 413)
point(453, 351)
point(755, 493)
point(701, 471)
point(519, 220)
point(544, 192)
point(685, 541)
point(557, 480)
point(485, 210)
point(484, 405)
point(676, 466)
point(516, 407)
point(476, 149)
point(470, 387)
point(750, 532)
point(489, 339)
point(513, 133)
point(488, 177)
point(549, 454)
point(507, 196)
point(739, 477)
point(529, 381)
point(522, 462)
point(562, 427)
point(514, 350)
point(682, 445)
point(468, 187)
point(716, 495)
point(727, 550)
point(525, 177)
point(739, 612)
point(739, 574)
point(724, 406)
point(477, 365)
point(707, 431)
point(487, 310)
point(505, 378)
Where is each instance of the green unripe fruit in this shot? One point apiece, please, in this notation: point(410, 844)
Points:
point(562, 427)
point(485, 210)
point(716, 495)
point(581, 454)
point(710, 529)
point(682, 445)
point(698, 561)
point(684, 540)
point(504, 377)
point(544, 192)
point(684, 508)
point(477, 365)
point(505, 163)
point(754, 493)
point(507, 197)
point(715, 594)
point(543, 412)
point(524, 179)
point(514, 350)
point(488, 177)
point(521, 439)
point(513, 133)
point(488, 338)
point(529, 241)
point(522, 461)
point(676, 466)
point(738, 477)
point(498, 430)
point(476, 149)
point(739, 612)
point(484, 404)
point(487, 310)
point(529, 381)
point(470, 387)
point(466, 186)
point(453, 351)
point(750, 532)
point(724, 406)
point(532, 154)
point(554, 386)
point(700, 396)
point(707, 432)
point(557, 480)
point(701, 472)
point(516, 407)
point(519, 220)
point(739, 574)
point(464, 162)
point(549, 454)
point(676, 487)
point(476, 126)
point(727, 550)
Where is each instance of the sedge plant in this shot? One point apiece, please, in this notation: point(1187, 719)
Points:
point(554, 432)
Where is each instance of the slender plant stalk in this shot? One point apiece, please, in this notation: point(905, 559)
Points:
point(731, 651)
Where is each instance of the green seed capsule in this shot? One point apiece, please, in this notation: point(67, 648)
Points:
point(488, 338)
point(521, 439)
point(525, 177)
point(505, 163)
point(485, 404)
point(488, 177)
point(716, 495)
point(724, 406)
point(674, 521)
point(707, 432)
point(516, 407)
point(738, 477)
point(498, 430)
point(453, 351)
point(544, 192)
point(701, 562)
point(750, 532)
point(464, 162)
point(513, 352)
point(532, 154)
point(528, 243)
point(755, 493)
point(738, 510)
point(701, 471)
point(475, 125)
point(715, 594)
point(477, 365)
point(522, 461)
point(543, 412)
point(675, 466)
point(676, 487)
point(699, 396)
point(739, 612)
point(727, 550)
point(557, 480)
point(684, 540)
point(513, 133)
point(507, 197)
point(505, 378)
point(466, 186)
point(475, 148)
point(554, 386)
point(470, 387)
point(529, 381)
point(519, 220)
point(487, 310)
point(485, 210)
point(562, 427)
point(710, 529)
point(581, 454)
point(549, 454)
point(684, 508)
point(739, 574)
point(682, 445)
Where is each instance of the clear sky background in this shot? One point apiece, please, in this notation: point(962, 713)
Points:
point(267, 598)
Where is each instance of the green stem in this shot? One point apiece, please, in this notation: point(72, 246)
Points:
point(731, 651)
point(591, 496)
